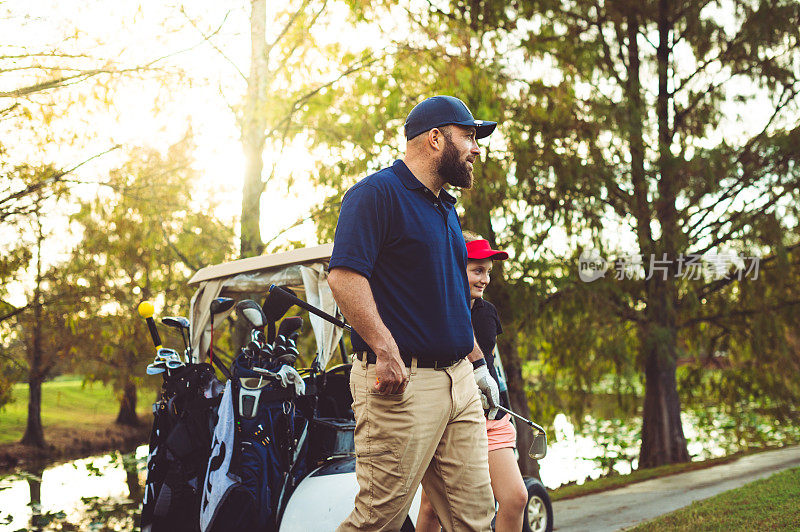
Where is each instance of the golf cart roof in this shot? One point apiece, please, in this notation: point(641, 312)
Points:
point(304, 270)
point(264, 262)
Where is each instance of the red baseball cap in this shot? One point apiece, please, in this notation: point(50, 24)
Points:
point(480, 249)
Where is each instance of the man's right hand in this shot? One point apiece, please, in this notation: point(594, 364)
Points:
point(391, 373)
point(354, 296)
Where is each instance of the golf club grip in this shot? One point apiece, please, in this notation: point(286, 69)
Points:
point(151, 324)
point(311, 308)
point(224, 369)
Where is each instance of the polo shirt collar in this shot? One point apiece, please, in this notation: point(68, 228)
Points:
point(412, 183)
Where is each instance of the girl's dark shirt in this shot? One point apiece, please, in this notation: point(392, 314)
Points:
point(486, 324)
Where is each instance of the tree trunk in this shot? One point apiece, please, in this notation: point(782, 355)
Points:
point(35, 487)
point(34, 432)
point(253, 133)
point(132, 480)
point(663, 441)
point(127, 406)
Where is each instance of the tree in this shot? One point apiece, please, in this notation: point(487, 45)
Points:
point(39, 342)
point(650, 84)
point(142, 241)
point(270, 63)
point(288, 72)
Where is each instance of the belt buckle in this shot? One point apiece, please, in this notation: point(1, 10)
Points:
point(442, 367)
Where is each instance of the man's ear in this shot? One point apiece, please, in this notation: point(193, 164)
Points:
point(436, 139)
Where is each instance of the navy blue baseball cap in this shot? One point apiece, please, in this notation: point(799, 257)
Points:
point(439, 111)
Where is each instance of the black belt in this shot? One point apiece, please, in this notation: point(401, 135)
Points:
point(421, 363)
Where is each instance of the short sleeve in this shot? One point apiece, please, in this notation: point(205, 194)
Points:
point(361, 229)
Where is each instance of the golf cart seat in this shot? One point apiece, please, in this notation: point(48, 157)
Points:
point(334, 398)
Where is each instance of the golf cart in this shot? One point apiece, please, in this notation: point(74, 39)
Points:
point(322, 495)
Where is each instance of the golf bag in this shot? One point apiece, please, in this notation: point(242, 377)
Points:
point(180, 443)
point(253, 450)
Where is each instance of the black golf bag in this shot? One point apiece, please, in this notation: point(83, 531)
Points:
point(248, 477)
point(180, 443)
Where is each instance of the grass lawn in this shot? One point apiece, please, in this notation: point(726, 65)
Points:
point(67, 403)
point(618, 481)
point(767, 504)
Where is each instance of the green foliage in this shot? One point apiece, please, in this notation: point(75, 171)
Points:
point(770, 502)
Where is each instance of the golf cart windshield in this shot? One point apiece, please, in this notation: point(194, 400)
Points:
point(302, 270)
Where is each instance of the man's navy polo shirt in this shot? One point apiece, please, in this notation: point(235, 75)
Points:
point(408, 243)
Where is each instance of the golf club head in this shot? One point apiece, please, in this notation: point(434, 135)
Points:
point(167, 353)
point(153, 369)
point(289, 359)
point(265, 353)
point(252, 312)
point(277, 304)
point(176, 322)
point(257, 336)
point(538, 448)
point(290, 326)
point(264, 358)
point(221, 304)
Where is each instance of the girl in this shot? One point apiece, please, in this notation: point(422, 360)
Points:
point(507, 484)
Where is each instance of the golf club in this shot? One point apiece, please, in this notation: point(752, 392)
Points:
point(285, 348)
point(285, 295)
point(274, 309)
point(538, 448)
point(146, 311)
point(182, 324)
point(218, 306)
point(252, 312)
point(289, 326)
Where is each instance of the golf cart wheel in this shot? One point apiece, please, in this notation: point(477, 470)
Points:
point(538, 510)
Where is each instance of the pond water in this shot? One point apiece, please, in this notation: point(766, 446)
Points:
point(97, 493)
point(104, 492)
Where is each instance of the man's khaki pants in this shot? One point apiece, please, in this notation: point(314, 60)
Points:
point(434, 433)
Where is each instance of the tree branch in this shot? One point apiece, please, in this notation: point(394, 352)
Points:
point(207, 38)
point(737, 313)
point(55, 178)
point(717, 285)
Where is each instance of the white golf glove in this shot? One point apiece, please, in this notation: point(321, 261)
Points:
point(490, 393)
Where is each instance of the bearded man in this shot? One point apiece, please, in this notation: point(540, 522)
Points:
point(398, 273)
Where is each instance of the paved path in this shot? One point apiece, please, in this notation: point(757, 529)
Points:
point(628, 506)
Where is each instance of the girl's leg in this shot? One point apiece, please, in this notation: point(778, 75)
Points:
point(427, 520)
point(509, 490)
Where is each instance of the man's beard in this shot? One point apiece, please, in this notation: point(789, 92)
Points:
point(452, 169)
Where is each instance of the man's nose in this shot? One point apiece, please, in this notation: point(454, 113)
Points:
point(475, 148)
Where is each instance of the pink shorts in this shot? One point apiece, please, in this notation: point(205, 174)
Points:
point(501, 433)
